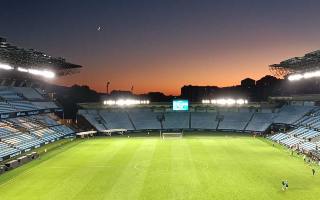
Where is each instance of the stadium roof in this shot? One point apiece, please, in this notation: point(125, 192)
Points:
point(30, 58)
point(309, 62)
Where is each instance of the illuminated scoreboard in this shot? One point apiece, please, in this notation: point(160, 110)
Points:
point(180, 105)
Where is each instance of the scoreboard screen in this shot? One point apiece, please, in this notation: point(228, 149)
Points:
point(180, 105)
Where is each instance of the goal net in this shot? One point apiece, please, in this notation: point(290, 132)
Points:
point(166, 135)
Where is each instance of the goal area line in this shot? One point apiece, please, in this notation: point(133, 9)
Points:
point(165, 135)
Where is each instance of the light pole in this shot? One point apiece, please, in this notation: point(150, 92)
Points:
point(108, 83)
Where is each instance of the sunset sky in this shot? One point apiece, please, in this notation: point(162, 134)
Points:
point(165, 44)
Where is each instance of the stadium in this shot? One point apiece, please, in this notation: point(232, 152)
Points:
point(257, 140)
point(134, 148)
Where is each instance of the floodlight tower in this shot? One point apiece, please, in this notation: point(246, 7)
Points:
point(108, 83)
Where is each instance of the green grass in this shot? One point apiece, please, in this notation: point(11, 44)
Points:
point(195, 167)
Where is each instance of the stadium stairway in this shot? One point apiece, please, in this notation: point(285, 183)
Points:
point(245, 127)
point(190, 118)
point(131, 121)
point(101, 119)
point(161, 123)
point(218, 123)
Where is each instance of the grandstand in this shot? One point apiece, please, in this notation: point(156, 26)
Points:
point(145, 119)
point(290, 114)
point(204, 120)
point(17, 99)
point(24, 125)
point(176, 120)
point(304, 135)
point(260, 122)
point(241, 120)
point(115, 120)
point(304, 121)
point(27, 114)
point(234, 120)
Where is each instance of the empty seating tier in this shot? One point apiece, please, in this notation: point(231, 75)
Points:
point(25, 133)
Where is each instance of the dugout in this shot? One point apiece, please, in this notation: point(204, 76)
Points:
point(109, 132)
point(33, 155)
point(12, 164)
point(23, 159)
point(86, 134)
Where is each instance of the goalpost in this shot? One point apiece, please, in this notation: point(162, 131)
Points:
point(166, 135)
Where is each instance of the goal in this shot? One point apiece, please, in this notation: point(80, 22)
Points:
point(166, 135)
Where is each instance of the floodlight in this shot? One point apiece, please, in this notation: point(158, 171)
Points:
point(44, 73)
point(125, 102)
point(5, 66)
point(295, 77)
point(21, 69)
point(240, 101)
point(228, 101)
point(231, 101)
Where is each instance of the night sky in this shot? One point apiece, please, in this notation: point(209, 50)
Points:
point(163, 45)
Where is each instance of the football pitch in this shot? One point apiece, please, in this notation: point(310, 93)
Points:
point(194, 167)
